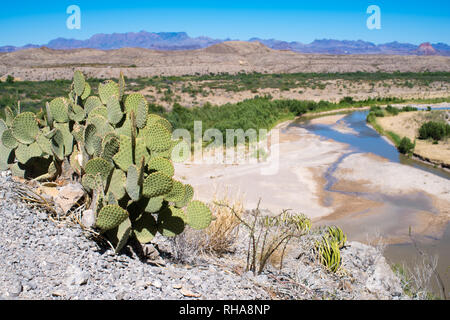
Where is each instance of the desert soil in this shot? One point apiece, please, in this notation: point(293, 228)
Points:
point(230, 57)
point(407, 125)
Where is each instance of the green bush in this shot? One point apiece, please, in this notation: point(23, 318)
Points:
point(409, 108)
point(392, 110)
point(434, 130)
point(406, 146)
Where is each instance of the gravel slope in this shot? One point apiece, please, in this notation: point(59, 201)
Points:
point(40, 259)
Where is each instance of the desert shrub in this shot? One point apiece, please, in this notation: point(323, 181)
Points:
point(392, 110)
point(221, 234)
point(406, 146)
point(270, 233)
point(379, 113)
point(434, 130)
point(9, 79)
point(409, 109)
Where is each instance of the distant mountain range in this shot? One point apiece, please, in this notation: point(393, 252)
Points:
point(181, 41)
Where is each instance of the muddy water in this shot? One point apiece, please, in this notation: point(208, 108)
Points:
point(396, 212)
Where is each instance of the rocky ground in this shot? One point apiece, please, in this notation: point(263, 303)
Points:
point(41, 259)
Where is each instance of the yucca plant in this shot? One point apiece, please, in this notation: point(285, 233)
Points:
point(329, 253)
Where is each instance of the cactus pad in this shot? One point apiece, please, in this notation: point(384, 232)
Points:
point(111, 216)
point(59, 110)
point(145, 228)
point(78, 82)
point(198, 215)
point(8, 139)
point(158, 138)
point(107, 89)
point(156, 184)
point(25, 128)
point(163, 165)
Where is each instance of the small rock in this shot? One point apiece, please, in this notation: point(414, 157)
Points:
point(15, 289)
point(157, 284)
point(68, 195)
point(75, 276)
point(187, 293)
point(58, 293)
point(88, 218)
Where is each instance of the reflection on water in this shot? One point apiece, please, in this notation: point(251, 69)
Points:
point(397, 212)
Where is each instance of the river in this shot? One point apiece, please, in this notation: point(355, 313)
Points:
point(396, 210)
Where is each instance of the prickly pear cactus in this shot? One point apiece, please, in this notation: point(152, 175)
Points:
point(120, 153)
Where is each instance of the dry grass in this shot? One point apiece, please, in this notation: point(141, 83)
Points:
point(221, 235)
point(219, 238)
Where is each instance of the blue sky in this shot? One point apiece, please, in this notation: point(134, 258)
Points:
point(412, 21)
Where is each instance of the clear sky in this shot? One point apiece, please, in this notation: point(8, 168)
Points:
point(37, 22)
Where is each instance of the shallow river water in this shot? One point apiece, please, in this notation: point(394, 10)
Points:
point(396, 211)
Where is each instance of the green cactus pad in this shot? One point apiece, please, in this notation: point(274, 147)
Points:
point(78, 82)
point(171, 222)
point(110, 216)
point(132, 102)
point(18, 170)
point(117, 183)
point(134, 182)
point(78, 132)
point(158, 138)
point(86, 92)
point(119, 236)
point(121, 86)
point(57, 142)
point(9, 116)
point(177, 193)
point(188, 195)
point(145, 228)
point(77, 113)
point(24, 153)
point(111, 146)
point(92, 141)
point(8, 139)
point(141, 114)
point(114, 110)
point(163, 165)
point(88, 182)
point(141, 151)
point(156, 184)
point(111, 198)
point(98, 165)
point(156, 119)
point(44, 143)
point(107, 89)
point(59, 110)
point(67, 137)
point(198, 215)
point(154, 204)
point(101, 124)
point(124, 158)
point(5, 154)
point(91, 103)
point(25, 128)
point(98, 111)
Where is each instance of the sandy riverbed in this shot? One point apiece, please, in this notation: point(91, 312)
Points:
point(299, 185)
